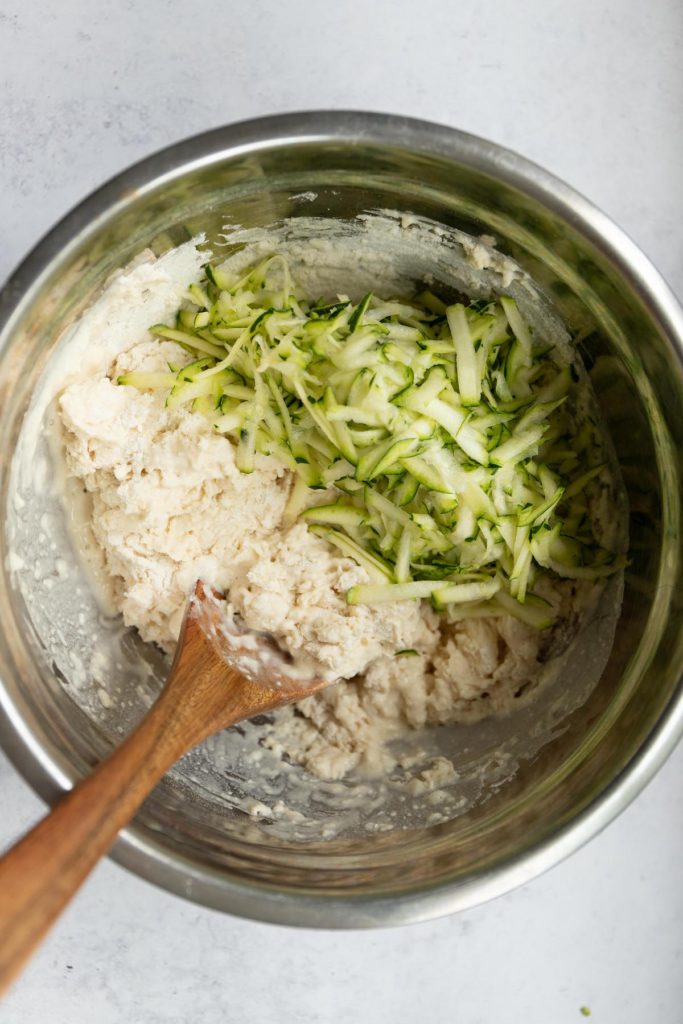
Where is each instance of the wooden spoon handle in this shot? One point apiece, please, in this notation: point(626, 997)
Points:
point(42, 872)
point(203, 693)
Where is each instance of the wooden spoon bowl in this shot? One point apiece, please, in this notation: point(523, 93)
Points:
point(220, 675)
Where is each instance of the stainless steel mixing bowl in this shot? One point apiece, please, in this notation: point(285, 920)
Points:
point(631, 329)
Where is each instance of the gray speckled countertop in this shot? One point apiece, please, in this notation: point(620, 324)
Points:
point(592, 90)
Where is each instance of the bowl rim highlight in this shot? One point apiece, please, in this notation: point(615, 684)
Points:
point(49, 772)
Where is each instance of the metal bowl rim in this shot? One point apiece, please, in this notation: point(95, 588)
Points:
point(49, 771)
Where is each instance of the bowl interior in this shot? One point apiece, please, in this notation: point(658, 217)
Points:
point(572, 746)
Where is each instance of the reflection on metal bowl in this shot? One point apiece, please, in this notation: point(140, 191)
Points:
point(599, 746)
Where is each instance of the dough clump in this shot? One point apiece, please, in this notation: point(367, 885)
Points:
point(167, 505)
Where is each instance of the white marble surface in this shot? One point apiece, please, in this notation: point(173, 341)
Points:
point(593, 91)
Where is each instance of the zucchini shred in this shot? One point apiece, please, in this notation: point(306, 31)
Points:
point(440, 438)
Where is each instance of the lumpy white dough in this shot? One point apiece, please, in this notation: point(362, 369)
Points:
point(296, 589)
point(166, 505)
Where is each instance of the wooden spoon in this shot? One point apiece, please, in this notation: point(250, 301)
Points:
point(220, 676)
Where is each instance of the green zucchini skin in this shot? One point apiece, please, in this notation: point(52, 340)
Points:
point(443, 434)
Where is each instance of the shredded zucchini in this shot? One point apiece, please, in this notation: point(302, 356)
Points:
point(442, 434)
